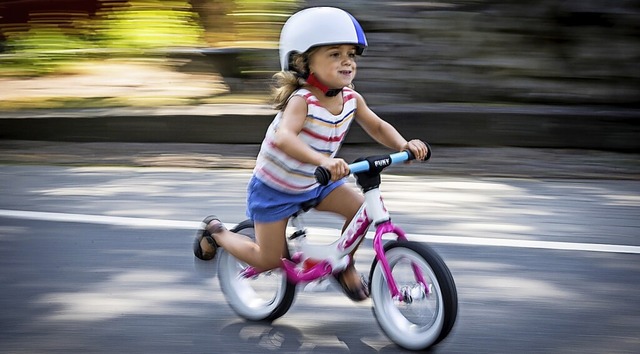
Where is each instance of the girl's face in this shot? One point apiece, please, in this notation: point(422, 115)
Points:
point(334, 65)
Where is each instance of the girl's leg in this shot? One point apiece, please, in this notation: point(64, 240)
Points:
point(264, 254)
point(345, 201)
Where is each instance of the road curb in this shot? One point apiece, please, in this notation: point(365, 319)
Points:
point(597, 128)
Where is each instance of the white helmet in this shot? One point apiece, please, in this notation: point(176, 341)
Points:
point(319, 26)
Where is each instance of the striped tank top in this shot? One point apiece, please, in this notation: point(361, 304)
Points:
point(322, 131)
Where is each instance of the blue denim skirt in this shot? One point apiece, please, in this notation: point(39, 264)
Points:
point(265, 204)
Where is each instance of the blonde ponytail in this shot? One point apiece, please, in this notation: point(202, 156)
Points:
point(287, 82)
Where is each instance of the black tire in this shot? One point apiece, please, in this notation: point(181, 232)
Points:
point(414, 328)
point(263, 298)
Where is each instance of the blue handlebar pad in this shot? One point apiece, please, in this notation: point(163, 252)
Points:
point(379, 162)
point(369, 164)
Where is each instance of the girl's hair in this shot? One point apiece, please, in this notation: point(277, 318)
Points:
point(287, 82)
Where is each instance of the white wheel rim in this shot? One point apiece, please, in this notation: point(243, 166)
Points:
point(253, 298)
point(418, 324)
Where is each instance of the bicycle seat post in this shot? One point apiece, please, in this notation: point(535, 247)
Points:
point(298, 224)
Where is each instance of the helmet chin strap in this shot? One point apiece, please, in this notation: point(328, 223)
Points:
point(313, 81)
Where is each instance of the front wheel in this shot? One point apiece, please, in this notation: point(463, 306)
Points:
point(264, 297)
point(425, 315)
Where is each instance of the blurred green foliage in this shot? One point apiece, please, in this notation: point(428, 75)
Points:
point(41, 50)
point(150, 24)
point(144, 28)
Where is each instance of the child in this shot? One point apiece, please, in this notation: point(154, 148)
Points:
point(317, 104)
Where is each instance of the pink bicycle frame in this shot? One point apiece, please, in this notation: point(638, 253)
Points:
point(389, 227)
point(345, 244)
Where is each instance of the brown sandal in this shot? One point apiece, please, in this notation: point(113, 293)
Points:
point(204, 233)
point(359, 294)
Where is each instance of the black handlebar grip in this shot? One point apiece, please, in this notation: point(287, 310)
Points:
point(323, 176)
point(411, 156)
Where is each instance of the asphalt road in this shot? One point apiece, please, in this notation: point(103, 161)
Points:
point(98, 260)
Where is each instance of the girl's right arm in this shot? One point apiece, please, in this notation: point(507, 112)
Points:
point(286, 139)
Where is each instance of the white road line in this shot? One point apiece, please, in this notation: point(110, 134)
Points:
point(192, 225)
point(99, 219)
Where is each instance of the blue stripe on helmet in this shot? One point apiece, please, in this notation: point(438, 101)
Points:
point(362, 40)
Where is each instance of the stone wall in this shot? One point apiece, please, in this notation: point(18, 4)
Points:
point(569, 52)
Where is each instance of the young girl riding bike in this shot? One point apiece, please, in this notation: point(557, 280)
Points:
point(317, 104)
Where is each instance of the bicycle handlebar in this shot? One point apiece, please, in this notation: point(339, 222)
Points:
point(374, 164)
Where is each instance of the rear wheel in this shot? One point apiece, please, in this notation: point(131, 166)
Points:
point(264, 297)
point(425, 315)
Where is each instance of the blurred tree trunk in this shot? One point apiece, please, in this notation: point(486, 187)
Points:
point(218, 26)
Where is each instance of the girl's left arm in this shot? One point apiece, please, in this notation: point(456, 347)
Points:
point(385, 133)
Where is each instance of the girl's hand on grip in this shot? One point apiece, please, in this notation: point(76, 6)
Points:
point(337, 167)
point(418, 148)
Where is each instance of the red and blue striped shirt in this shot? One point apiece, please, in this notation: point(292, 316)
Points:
point(322, 131)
